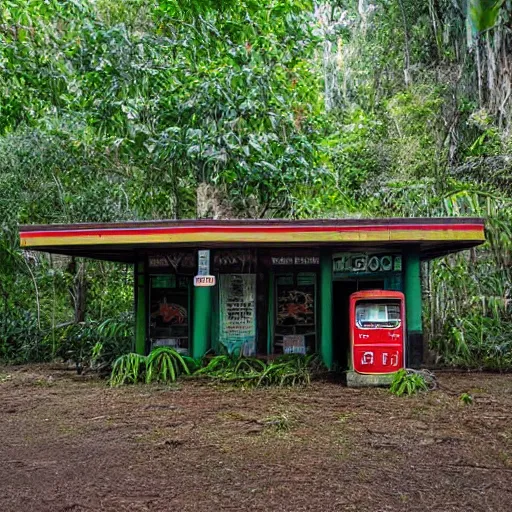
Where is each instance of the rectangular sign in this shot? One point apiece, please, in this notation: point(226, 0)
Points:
point(352, 262)
point(294, 344)
point(179, 261)
point(203, 262)
point(295, 260)
point(204, 281)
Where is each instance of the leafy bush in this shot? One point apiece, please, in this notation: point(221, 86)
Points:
point(93, 343)
point(479, 342)
point(21, 340)
point(408, 382)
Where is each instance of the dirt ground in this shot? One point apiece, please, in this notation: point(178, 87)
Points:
point(73, 444)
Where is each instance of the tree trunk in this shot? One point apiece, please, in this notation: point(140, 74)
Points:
point(78, 291)
point(407, 54)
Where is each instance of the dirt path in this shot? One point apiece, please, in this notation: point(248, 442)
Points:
point(77, 445)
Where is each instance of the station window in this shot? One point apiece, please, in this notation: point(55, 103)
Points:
point(378, 315)
point(169, 311)
point(295, 313)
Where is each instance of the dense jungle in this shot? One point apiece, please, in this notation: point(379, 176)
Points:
point(151, 109)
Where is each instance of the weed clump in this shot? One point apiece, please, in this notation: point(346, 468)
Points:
point(409, 382)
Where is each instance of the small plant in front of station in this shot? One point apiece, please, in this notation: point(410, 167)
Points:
point(408, 382)
point(466, 399)
point(128, 369)
point(164, 364)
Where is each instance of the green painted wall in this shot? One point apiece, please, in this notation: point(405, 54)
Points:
point(140, 309)
point(202, 320)
point(413, 309)
point(412, 291)
point(326, 306)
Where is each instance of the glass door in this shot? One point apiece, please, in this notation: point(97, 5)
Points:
point(169, 311)
point(295, 313)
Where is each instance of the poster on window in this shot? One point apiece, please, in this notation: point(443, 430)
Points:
point(295, 305)
point(237, 298)
point(168, 322)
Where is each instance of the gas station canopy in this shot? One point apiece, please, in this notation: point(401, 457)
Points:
point(126, 241)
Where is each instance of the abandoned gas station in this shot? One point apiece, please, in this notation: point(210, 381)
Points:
point(267, 287)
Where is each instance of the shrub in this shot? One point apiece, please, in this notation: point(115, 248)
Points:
point(165, 364)
point(128, 369)
point(408, 382)
point(466, 399)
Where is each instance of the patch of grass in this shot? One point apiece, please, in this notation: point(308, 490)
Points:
point(289, 370)
point(4, 377)
point(345, 416)
point(279, 423)
point(233, 416)
point(44, 382)
point(466, 399)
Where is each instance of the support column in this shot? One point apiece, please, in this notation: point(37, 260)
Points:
point(140, 309)
point(413, 309)
point(201, 321)
point(270, 313)
point(325, 346)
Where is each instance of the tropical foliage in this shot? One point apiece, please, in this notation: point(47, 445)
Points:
point(165, 365)
point(280, 108)
point(287, 370)
point(162, 364)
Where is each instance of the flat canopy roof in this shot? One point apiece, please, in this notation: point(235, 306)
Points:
point(125, 241)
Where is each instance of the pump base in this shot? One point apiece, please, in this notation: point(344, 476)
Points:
point(359, 380)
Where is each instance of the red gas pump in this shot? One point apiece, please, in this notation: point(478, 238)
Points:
point(377, 327)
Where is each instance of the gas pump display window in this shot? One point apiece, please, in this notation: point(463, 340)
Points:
point(378, 315)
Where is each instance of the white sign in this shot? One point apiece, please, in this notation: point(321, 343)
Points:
point(294, 344)
point(295, 260)
point(203, 263)
point(204, 281)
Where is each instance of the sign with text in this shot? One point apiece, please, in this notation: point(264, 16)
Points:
point(352, 262)
point(178, 261)
point(237, 304)
point(294, 344)
point(295, 260)
point(203, 262)
point(204, 281)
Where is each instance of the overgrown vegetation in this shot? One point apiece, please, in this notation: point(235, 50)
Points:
point(282, 108)
point(162, 364)
point(287, 370)
point(165, 365)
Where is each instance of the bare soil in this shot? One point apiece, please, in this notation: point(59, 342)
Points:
point(73, 444)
